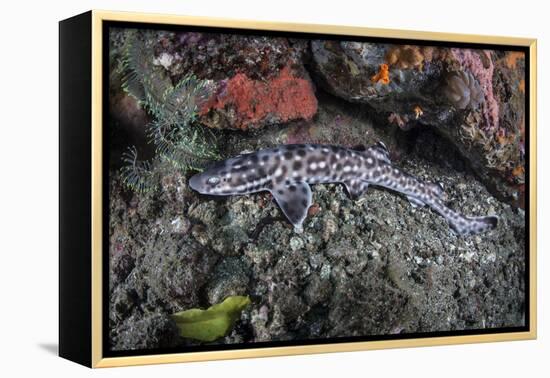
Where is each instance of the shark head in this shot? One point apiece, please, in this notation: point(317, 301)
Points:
point(214, 180)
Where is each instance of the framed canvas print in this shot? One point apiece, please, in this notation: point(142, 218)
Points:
point(234, 189)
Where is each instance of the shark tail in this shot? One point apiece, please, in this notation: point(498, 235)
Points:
point(472, 225)
point(461, 224)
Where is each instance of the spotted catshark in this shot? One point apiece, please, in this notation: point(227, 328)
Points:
point(287, 171)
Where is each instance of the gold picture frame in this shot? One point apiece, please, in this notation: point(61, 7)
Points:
point(91, 327)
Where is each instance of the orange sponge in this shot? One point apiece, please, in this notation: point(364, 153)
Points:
point(383, 75)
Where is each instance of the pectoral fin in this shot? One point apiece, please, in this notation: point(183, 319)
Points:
point(356, 188)
point(294, 199)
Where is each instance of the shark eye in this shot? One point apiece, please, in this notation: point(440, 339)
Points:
point(213, 180)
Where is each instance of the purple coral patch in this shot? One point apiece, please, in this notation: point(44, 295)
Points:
point(480, 64)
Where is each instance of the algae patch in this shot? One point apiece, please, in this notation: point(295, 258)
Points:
point(213, 323)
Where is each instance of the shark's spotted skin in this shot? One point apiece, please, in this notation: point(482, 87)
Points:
point(288, 171)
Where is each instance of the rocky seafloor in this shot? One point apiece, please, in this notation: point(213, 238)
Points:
point(372, 266)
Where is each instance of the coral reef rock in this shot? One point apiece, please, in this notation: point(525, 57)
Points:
point(257, 81)
point(474, 98)
point(370, 266)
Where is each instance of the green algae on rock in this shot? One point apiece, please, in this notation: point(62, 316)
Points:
point(212, 323)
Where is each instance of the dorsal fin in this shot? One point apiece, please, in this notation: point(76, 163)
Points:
point(381, 151)
point(382, 145)
point(437, 190)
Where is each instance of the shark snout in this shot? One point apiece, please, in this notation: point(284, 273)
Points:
point(196, 183)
